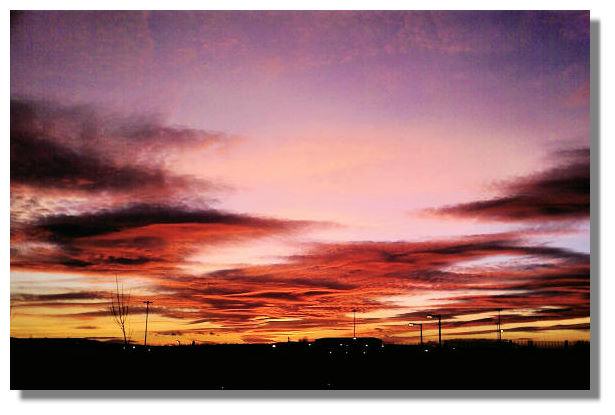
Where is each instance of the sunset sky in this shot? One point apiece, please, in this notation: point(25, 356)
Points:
point(259, 175)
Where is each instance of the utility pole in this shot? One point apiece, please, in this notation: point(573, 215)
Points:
point(147, 303)
point(354, 322)
point(439, 316)
point(499, 325)
point(439, 330)
point(420, 327)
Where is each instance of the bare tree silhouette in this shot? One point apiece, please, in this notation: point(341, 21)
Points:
point(119, 308)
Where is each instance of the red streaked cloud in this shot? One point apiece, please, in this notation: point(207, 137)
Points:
point(134, 239)
point(388, 283)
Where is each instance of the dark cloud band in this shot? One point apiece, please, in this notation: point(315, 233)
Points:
point(561, 193)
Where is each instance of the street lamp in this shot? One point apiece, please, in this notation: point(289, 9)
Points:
point(439, 317)
point(421, 327)
point(147, 303)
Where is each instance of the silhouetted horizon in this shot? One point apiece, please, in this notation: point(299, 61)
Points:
point(339, 364)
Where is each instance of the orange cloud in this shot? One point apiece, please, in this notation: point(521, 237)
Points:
point(388, 284)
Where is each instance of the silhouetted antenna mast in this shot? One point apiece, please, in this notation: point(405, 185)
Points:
point(147, 303)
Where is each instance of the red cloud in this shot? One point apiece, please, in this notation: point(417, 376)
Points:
point(316, 291)
point(139, 238)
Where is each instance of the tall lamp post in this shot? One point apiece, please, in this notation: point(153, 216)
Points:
point(420, 327)
point(354, 322)
point(439, 317)
point(147, 303)
point(499, 325)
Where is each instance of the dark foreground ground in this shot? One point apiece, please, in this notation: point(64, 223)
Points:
point(84, 364)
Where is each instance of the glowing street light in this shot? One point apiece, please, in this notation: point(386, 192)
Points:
point(420, 326)
point(439, 317)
